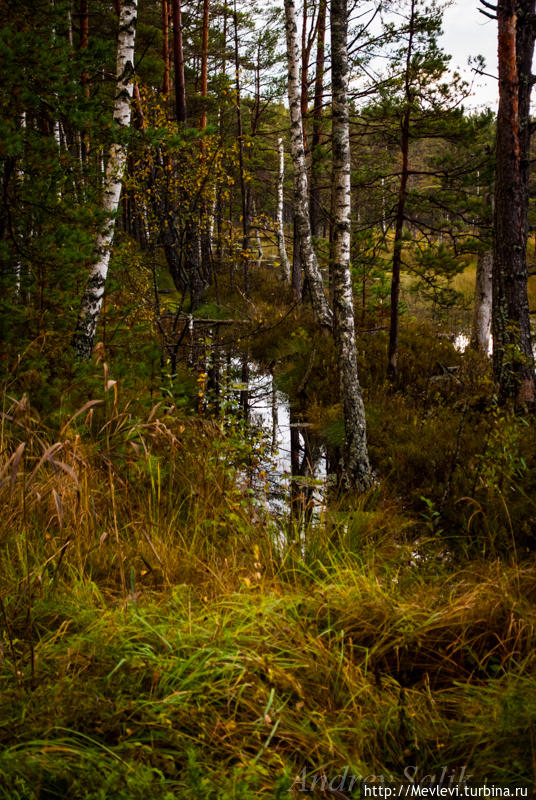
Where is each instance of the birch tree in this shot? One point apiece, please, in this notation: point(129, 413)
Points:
point(358, 474)
point(483, 303)
point(91, 304)
point(316, 155)
point(319, 302)
point(481, 328)
point(282, 250)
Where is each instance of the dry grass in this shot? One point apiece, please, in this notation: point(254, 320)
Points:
point(159, 642)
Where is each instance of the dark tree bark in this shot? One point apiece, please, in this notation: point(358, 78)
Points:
point(84, 78)
point(513, 362)
point(400, 218)
point(165, 47)
point(204, 62)
point(240, 137)
point(206, 265)
point(178, 62)
point(84, 40)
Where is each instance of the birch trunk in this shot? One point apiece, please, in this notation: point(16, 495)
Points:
point(357, 474)
point(316, 155)
point(319, 302)
point(91, 304)
point(297, 276)
point(280, 218)
point(480, 337)
point(255, 222)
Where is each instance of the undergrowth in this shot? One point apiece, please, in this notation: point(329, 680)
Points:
point(161, 639)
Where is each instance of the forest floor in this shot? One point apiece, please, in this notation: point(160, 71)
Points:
point(162, 639)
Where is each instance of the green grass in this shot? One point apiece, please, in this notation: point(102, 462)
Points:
point(234, 695)
point(159, 641)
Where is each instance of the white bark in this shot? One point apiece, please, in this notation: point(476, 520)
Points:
point(70, 25)
point(384, 219)
point(481, 332)
point(56, 123)
point(256, 229)
point(319, 302)
point(357, 471)
point(17, 268)
point(91, 304)
point(283, 258)
point(211, 218)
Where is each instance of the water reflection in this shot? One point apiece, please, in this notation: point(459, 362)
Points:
point(291, 477)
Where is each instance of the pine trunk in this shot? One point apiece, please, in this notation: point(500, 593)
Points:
point(84, 337)
point(165, 47)
point(84, 78)
point(240, 138)
point(178, 62)
point(358, 475)
point(513, 362)
point(320, 304)
point(392, 365)
point(204, 63)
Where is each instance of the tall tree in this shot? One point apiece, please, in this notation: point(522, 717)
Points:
point(319, 302)
point(178, 62)
point(483, 304)
point(165, 46)
point(416, 96)
point(281, 248)
point(91, 304)
point(481, 327)
point(204, 63)
point(307, 41)
point(84, 78)
point(513, 360)
point(316, 155)
point(358, 474)
point(240, 137)
point(402, 197)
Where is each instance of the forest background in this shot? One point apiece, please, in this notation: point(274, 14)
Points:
point(195, 196)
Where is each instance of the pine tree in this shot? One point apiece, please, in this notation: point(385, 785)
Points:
point(513, 360)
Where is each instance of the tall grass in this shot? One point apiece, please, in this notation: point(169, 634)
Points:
point(157, 640)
